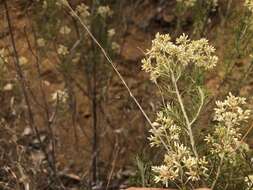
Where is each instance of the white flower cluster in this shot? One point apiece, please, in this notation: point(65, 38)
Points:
point(83, 11)
point(65, 30)
point(41, 42)
point(23, 60)
point(60, 95)
point(165, 55)
point(230, 111)
point(230, 115)
point(191, 3)
point(187, 3)
point(3, 56)
point(164, 129)
point(249, 5)
point(62, 50)
point(214, 3)
point(104, 11)
point(111, 32)
point(44, 5)
point(249, 182)
point(62, 2)
point(179, 160)
point(115, 47)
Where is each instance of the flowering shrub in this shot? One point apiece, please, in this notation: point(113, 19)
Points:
point(191, 3)
point(249, 5)
point(187, 3)
point(173, 67)
point(229, 115)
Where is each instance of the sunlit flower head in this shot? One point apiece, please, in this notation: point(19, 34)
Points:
point(249, 5)
point(166, 56)
point(60, 95)
point(62, 50)
point(104, 11)
point(23, 60)
point(41, 42)
point(65, 30)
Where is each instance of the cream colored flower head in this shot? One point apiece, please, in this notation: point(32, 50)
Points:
point(60, 95)
point(111, 32)
point(104, 11)
point(62, 2)
point(214, 3)
point(23, 60)
point(115, 47)
point(226, 137)
point(41, 42)
point(179, 162)
point(44, 6)
point(249, 182)
point(249, 5)
point(230, 111)
point(64, 30)
point(187, 3)
point(83, 11)
point(62, 50)
point(3, 56)
point(8, 87)
point(165, 56)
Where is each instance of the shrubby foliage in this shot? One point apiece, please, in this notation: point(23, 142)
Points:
point(185, 164)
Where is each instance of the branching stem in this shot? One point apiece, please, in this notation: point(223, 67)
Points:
point(188, 124)
point(200, 106)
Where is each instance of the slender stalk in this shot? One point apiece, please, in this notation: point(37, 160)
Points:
point(94, 113)
point(218, 172)
point(114, 68)
point(45, 107)
point(24, 88)
point(200, 106)
point(244, 137)
point(188, 124)
point(111, 63)
point(229, 3)
point(113, 166)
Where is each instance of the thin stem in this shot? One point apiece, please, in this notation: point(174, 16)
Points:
point(113, 166)
point(24, 88)
point(161, 93)
point(188, 124)
point(218, 172)
point(244, 136)
point(114, 68)
point(200, 106)
point(111, 62)
point(94, 123)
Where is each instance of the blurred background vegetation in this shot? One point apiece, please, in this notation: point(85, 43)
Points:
point(66, 120)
